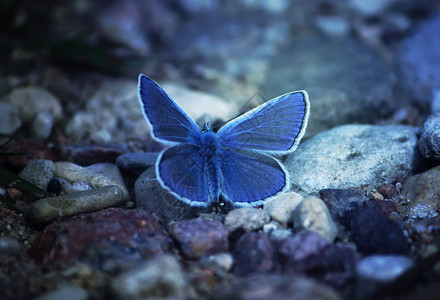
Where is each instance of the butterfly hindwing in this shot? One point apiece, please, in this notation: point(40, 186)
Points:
point(181, 170)
point(275, 126)
point(249, 177)
point(168, 121)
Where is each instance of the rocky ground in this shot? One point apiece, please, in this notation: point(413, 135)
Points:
point(361, 220)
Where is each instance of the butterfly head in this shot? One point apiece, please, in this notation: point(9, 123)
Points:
point(206, 127)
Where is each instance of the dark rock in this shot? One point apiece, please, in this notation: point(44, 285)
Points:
point(312, 255)
point(34, 150)
point(339, 200)
point(429, 142)
point(422, 192)
point(276, 287)
point(254, 253)
point(91, 154)
point(62, 241)
point(386, 208)
point(136, 163)
point(374, 233)
point(197, 238)
point(388, 190)
point(113, 256)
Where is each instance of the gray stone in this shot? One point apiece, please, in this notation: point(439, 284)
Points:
point(94, 176)
point(418, 66)
point(151, 196)
point(198, 104)
point(30, 100)
point(429, 142)
point(9, 246)
point(281, 206)
point(373, 272)
point(10, 119)
point(422, 192)
point(137, 163)
point(42, 125)
point(159, 278)
point(333, 25)
point(248, 218)
point(371, 7)
point(346, 81)
point(39, 172)
point(112, 114)
point(312, 214)
point(121, 22)
point(65, 292)
point(50, 209)
point(353, 156)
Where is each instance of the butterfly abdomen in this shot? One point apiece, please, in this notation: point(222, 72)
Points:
point(210, 152)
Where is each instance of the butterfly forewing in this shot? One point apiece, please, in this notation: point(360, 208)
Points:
point(169, 122)
point(275, 126)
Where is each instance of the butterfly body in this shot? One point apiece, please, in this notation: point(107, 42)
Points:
point(237, 162)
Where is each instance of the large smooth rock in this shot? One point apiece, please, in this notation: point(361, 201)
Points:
point(346, 81)
point(429, 143)
point(353, 156)
point(418, 65)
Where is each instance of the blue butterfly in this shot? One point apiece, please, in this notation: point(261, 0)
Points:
point(237, 162)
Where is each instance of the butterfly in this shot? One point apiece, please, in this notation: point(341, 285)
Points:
point(237, 162)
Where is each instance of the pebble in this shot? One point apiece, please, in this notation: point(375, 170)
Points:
point(376, 271)
point(222, 261)
point(159, 278)
point(10, 120)
point(64, 240)
point(353, 156)
point(300, 246)
point(248, 218)
point(422, 192)
point(280, 207)
point(271, 286)
point(97, 175)
point(50, 209)
point(31, 100)
point(374, 233)
point(254, 253)
point(137, 163)
point(42, 125)
point(198, 238)
point(151, 196)
point(429, 142)
point(39, 172)
point(417, 65)
point(339, 201)
point(312, 214)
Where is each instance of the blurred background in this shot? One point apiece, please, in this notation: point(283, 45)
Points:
point(69, 68)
